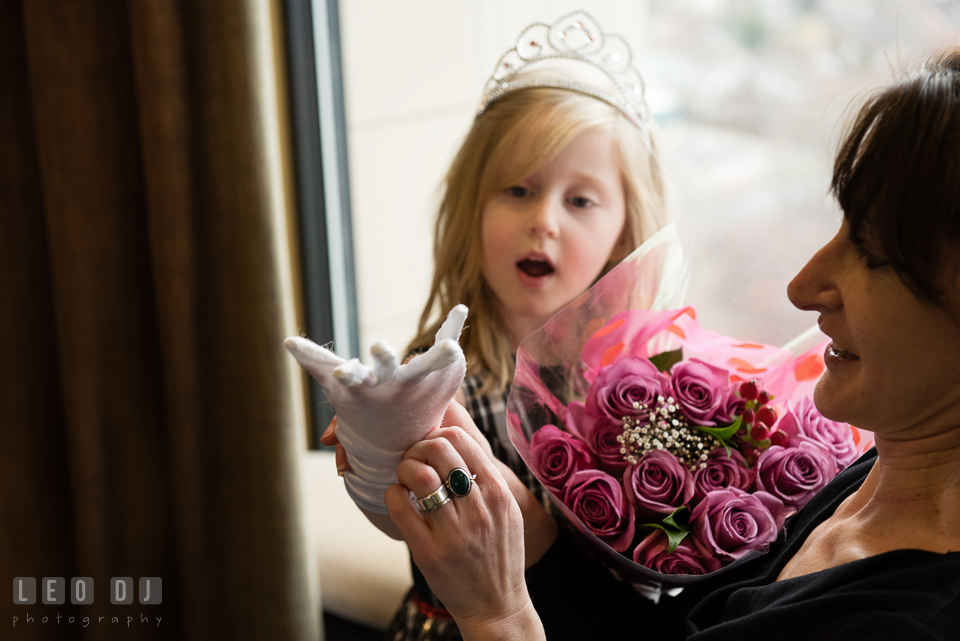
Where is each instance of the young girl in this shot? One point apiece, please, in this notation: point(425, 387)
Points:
point(557, 180)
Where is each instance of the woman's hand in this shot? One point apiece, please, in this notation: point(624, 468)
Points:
point(329, 438)
point(382, 522)
point(471, 548)
point(539, 528)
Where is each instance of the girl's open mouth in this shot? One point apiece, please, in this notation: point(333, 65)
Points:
point(535, 268)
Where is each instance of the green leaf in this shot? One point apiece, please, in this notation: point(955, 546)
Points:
point(671, 519)
point(722, 433)
point(665, 360)
point(674, 537)
point(675, 531)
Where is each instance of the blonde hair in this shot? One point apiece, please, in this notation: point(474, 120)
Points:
point(546, 120)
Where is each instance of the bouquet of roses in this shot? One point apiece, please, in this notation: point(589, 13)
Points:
point(674, 451)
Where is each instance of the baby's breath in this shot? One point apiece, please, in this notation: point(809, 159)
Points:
point(664, 427)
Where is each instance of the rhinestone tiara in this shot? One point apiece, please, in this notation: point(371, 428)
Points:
point(576, 36)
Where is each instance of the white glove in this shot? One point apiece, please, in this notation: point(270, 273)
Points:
point(383, 411)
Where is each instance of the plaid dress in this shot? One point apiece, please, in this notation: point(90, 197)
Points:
point(421, 616)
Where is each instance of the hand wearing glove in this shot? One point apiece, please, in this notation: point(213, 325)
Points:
point(382, 411)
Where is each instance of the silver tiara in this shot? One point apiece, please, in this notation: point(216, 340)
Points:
point(575, 36)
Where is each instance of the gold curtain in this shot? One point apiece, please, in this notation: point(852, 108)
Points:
point(150, 423)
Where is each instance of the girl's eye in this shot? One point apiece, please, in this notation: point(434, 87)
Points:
point(518, 192)
point(873, 262)
point(580, 202)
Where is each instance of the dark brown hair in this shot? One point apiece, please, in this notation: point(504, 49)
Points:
point(898, 172)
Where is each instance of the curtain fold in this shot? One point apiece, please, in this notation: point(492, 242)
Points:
point(150, 419)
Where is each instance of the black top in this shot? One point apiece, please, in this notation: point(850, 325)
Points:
point(904, 594)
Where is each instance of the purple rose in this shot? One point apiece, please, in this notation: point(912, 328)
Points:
point(732, 406)
point(654, 552)
point(555, 456)
point(722, 471)
point(618, 387)
point(729, 523)
point(795, 474)
point(658, 484)
point(699, 388)
point(803, 420)
point(597, 499)
point(602, 441)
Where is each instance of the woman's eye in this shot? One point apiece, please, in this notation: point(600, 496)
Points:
point(873, 262)
point(518, 192)
point(580, 202)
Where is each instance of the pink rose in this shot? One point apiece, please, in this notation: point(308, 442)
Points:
point(658, 484)
point(803, 420)
point(795, 474)
point(555, 456)
point(597, 499)
point(722, 471)
point(619, 386)
point(729, 523)
point(653, 552)
point(602, 441)
point(699, 388)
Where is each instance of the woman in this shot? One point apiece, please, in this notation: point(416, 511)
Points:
point(876, 555)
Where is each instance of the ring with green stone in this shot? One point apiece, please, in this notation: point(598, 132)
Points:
point(460, 482)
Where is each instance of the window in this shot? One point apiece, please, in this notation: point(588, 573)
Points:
point(322, 185)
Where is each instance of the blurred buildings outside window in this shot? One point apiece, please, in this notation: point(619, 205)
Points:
point(751, 96)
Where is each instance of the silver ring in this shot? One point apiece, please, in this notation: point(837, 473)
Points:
point(459, 482)
point(435, 500)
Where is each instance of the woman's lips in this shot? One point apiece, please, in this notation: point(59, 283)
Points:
point(836, 354)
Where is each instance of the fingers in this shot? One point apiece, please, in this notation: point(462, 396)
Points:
point(452, 327)
point(340, 458)
point(439, 356)
point(385, 361)
point(353, 373)
point(457, 415)
point(470, 548)
point(406, 516)
point(426, 465)
point(421, 480)
point(329, 436)
point(317, 360)
point(448, 447)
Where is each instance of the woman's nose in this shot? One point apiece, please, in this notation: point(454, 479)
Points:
point(814, 288)
point(544, 217)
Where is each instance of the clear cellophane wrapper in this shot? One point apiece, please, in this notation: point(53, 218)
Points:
point(635, 310)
